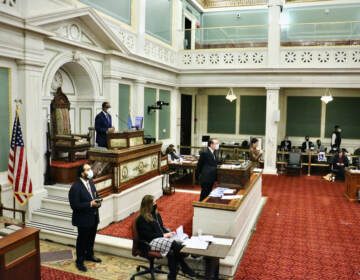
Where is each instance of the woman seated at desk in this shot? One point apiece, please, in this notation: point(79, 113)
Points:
point(151, 229)
point(255, 154)
point(340, 161)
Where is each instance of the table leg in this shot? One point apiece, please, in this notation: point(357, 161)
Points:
point(193, 177)
point(309, 164)
point(212, 268)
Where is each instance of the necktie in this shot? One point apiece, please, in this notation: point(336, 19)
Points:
point(89, 190)
point(108, 118)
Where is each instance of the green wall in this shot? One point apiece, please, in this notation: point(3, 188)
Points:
point(4, 119)
point(164, 115)
point(120, 9)
point(149, 119)
point(124, 105)
point(343, 111)
point(221, 115)
point(252, 115)
point(229, 18)
point(317, 14)
point(159, 19)
point(303, 116)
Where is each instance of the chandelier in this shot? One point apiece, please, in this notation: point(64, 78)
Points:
point(327, 97)
point(230, 95)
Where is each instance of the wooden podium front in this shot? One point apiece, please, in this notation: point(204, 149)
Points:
point(352, 183)
point(20, 255)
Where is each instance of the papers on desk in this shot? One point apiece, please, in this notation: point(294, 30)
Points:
point(222, 241)
point(231, 197)
point(180, 235)
point(257, 170)
point(354, 171)
point(196, 243)
point(229, 191)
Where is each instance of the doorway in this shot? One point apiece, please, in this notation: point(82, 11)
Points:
point(185, 128)
point(187, 38)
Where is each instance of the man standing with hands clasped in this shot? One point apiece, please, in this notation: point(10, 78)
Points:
point(103, 124)
point(85, 204)
point(206, 168)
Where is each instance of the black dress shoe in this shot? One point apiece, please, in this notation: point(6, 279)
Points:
point(189, 272)
point(93, 259)
point(81, 267)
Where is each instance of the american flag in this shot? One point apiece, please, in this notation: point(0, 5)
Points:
point(18, 173)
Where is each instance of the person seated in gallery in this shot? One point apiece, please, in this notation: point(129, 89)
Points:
point(103, 124)
point(340, 161)
point(170, 150)
point(150, 228)
point(285, 144)
point(254, 153)
point(319, 146)
point(307, 145)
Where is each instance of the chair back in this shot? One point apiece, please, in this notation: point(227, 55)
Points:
point(135, 237)
point(294, 158)
point(60, 117)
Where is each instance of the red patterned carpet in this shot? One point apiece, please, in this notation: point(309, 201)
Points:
point(48, 273)
point(307, 230)
point(175, 210)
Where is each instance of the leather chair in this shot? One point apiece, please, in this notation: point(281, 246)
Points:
point(149, 255)
point(62, 140)
point(294, 163)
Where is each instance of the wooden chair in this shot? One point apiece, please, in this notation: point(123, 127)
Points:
point(61, 137)
point(149, 255)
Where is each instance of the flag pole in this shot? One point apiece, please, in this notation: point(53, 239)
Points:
point(17, 102)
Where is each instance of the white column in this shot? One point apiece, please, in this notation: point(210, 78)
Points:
point(140, 18)
point(275, 7)
point(175, 115)
point(271, 132)
point(178, 40)
point(137, 99)
point(29, 85)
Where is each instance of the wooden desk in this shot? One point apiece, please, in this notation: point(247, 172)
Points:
point(212, 256)
point(191, 165)
point(20, 255)
point(352, 184)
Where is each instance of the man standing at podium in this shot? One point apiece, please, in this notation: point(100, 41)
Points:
point(207, 168)
point(103, 124)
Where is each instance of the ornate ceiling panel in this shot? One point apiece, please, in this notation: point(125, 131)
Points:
point(208, 4)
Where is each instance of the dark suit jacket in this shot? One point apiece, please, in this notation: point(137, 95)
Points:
point(102, 124)
point(303, 146)
point(83, 214)
point(150, 230)
point(206, 167)
point(345, 161)
point(286, 145)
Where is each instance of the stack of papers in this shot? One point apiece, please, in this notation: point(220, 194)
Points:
point(230, 197)
point(222, 241)
point(257, 170)
point(180, 235)
point(196, 243)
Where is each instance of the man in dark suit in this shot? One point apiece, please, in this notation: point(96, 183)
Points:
point(206, 168)
point(85, 204)
point(103, 124)
point(307, 145)
point(340, 161)
point(286, 144)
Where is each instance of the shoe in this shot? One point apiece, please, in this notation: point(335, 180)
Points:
point(187, 270)
point(81, 267)
point(93, 259)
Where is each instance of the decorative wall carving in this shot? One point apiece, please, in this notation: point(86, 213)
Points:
point(159, 53)
point(321, 57)
point(233, 58)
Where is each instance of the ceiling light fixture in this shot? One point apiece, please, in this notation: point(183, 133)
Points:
point(327, 97)
point(230, 95)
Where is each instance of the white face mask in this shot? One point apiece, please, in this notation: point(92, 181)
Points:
point(90, 174)
point(217, 146)
point(339, 129)
point(108, 110)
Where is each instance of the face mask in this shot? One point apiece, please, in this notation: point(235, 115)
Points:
point(154, 207)
point(339, 129)
point(90, 174)
point(108, 110)
point(217, 147)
